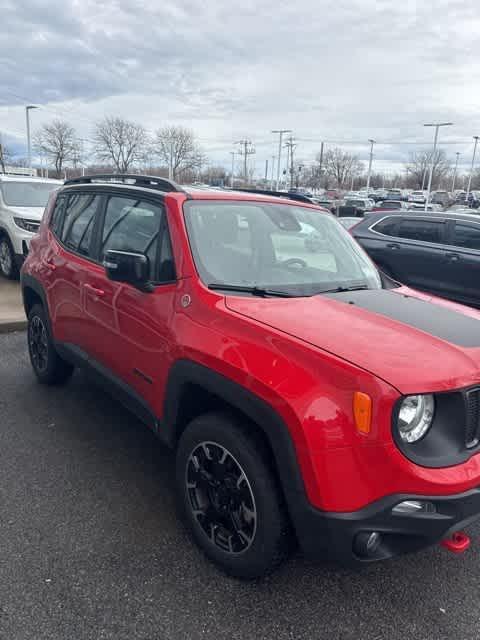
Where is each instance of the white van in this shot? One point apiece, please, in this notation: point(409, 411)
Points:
point(22, 203)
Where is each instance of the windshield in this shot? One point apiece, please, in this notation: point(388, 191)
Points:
point(275, 246)
point(27, 194)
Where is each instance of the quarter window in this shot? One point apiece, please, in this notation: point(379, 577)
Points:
point(466, 235)
point(422, 230)
point(56, 219)
point(79, 221)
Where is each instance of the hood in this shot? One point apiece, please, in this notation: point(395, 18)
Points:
point(30, 213)
point(416, 343)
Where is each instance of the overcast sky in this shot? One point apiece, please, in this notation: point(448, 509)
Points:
point(343, 70)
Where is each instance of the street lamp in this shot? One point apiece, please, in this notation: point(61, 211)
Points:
point(29, 146)
point(455, 171)
point(232, 153)
point(471, 168)
point(372, 142)
point(280, 138)
point(437, 126)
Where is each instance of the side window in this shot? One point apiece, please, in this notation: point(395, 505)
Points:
point(78, 223)
point(133, 225)
point(423, 230)
point(57, 216)
point(466, 235)
point(387, 226)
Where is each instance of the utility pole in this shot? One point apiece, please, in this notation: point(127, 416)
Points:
point(246, 149)
point(290, 144)
point(437, 126)
point(29, 144)
point(273, 169)
point(280, 138)
point(455, 171)
point(372, 142)
point(232, 153)
point(266, 170)
point(320, 164)
point(471, 168)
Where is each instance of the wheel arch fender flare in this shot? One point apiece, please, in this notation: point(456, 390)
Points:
point(185, 372)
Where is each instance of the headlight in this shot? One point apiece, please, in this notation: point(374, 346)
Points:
point(415, 417)
point(27, 225)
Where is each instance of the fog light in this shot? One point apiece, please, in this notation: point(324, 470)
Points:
point(414, 507)
point(367, 543)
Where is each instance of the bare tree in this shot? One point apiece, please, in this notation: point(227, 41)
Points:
point(177, 148)
point(341, 165)
point(418, 167)
point(121, 142)
point(58, 141)
point(5, 156)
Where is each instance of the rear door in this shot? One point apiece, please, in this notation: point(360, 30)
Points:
point(67, 261)
point(462, 257)
point(418, 253)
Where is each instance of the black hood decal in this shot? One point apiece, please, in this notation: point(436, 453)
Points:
point(441, 322)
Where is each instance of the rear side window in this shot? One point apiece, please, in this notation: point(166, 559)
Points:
point(422, 230)
point(134, 225)
point(466, 235)
point(78, 223)
point(387, 226)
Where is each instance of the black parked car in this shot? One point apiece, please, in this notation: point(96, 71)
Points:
point(437, 253)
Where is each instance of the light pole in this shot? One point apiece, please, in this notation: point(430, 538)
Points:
point(471, 168)
point(372, 142)
point(455, 171)
point(437, 126)
point(273, 171)
point(232, 153)
point(280, 138)
point(29, 146)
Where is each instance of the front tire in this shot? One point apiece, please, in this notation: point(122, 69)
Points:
point(229, 497)
point(8, 267)
point(47, 365)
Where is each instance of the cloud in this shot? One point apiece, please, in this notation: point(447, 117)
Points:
point(330, 70)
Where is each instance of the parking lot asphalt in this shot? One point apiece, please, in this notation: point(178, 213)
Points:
point(91, 546)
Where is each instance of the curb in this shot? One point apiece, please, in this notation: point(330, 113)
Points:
point(13, 325)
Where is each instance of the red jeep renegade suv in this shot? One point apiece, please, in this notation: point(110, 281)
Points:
point(307, 396)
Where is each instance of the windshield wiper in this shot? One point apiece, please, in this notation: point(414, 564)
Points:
point(255, 291)
point(356, 287)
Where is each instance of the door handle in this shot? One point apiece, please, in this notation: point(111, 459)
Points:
point(50, 265)
point(99, 293)
point(393, 245)
point(452, 257)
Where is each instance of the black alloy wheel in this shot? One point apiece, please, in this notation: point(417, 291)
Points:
point(221, 497)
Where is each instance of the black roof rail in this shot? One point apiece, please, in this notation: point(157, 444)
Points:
point(152, 182)
point(280, 194)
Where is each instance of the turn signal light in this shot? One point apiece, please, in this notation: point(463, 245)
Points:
point(362, 411)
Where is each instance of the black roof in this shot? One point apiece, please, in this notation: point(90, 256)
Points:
point(131, 179)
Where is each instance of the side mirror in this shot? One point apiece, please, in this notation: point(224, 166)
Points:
point(124, 266)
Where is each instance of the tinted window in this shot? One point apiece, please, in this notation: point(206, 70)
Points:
point(466, 235)
point(423, 230)
point(132, 225)
point(78, 222)
point(387, 226)
point(56, 219)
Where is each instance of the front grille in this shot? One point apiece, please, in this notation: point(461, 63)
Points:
point(472, 432)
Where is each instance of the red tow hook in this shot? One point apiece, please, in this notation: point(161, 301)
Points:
point(457, 543)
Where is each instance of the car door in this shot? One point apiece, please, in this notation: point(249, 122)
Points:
point(418, 253)
point(66, 262)
point(462, 258)
point(129, 329)
point(376, 240)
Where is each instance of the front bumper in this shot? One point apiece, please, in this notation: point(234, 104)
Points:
point(335, 534)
